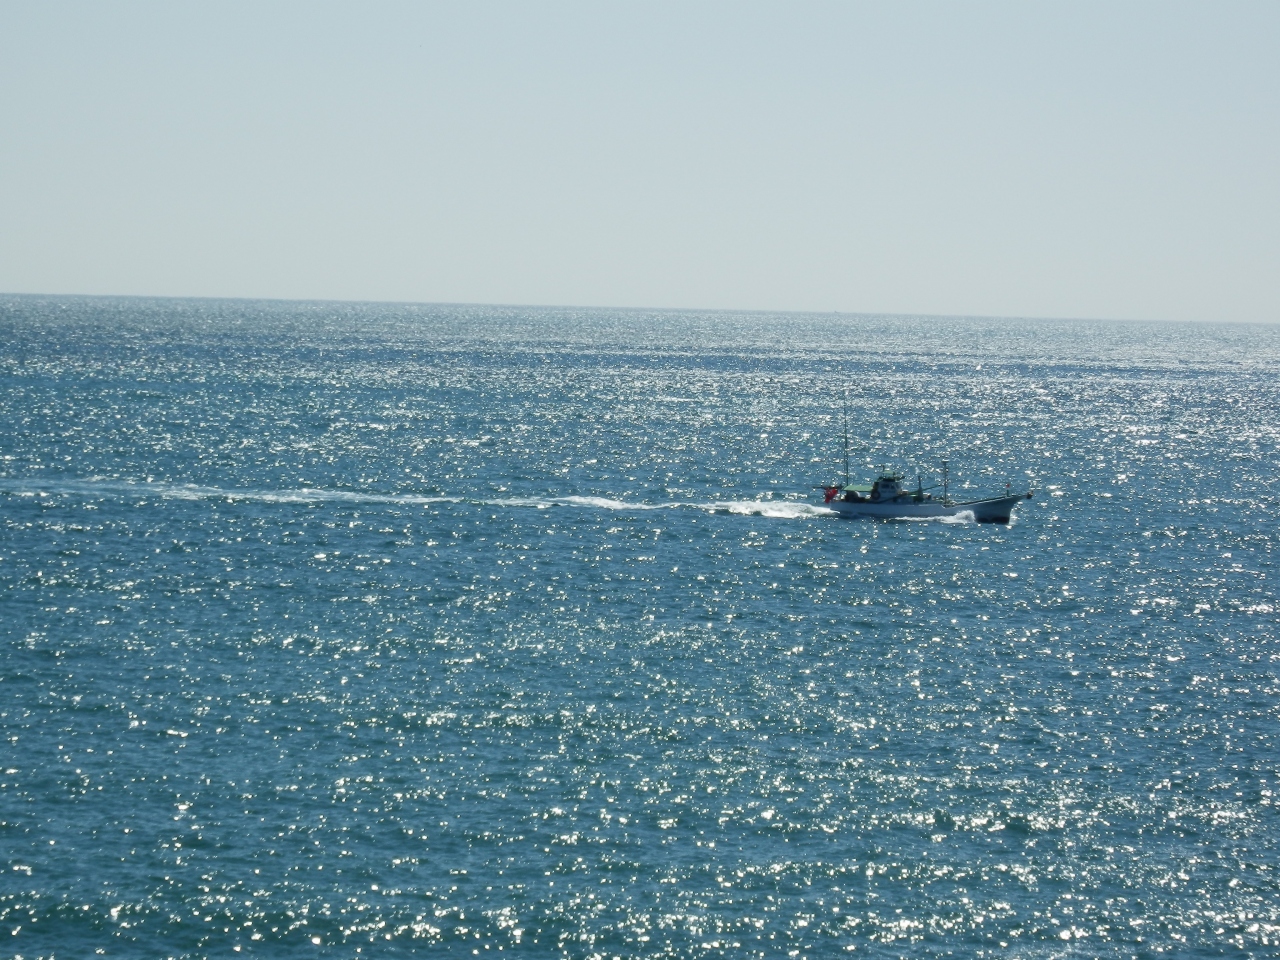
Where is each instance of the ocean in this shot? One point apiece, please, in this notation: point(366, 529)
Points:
point(370, 630)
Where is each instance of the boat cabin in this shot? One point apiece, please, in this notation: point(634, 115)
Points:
point(886, 487)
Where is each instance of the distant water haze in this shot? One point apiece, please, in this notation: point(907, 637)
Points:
point(992, 159)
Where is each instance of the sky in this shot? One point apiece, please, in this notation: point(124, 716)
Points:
point(1101, 160)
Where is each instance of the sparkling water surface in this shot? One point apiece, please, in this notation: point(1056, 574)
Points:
point(337, 630)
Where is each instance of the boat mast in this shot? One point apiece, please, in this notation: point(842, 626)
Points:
point(946, 469)
point(846, 437)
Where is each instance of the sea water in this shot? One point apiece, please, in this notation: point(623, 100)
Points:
point(337, 630)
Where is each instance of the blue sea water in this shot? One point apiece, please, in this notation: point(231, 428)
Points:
point(339, 630)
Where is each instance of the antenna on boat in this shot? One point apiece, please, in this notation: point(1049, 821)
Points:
point(846, 436)
point(946, 475)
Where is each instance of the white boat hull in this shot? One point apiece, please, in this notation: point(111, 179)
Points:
point(993, 510)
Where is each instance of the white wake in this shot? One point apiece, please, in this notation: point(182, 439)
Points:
point(107, 487)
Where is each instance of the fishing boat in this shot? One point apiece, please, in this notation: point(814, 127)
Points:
point(887, 499)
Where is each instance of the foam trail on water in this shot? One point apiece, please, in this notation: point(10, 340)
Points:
point(599, 503)
point(94, 486)
point(774, 509)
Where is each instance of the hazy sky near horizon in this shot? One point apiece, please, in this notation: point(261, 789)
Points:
point(1110, 160)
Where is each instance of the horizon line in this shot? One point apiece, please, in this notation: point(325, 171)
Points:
point(628, 309)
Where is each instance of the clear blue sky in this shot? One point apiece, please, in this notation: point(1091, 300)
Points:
point(1112, 160)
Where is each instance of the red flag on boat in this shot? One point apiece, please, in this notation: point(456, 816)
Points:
point(829, 493)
